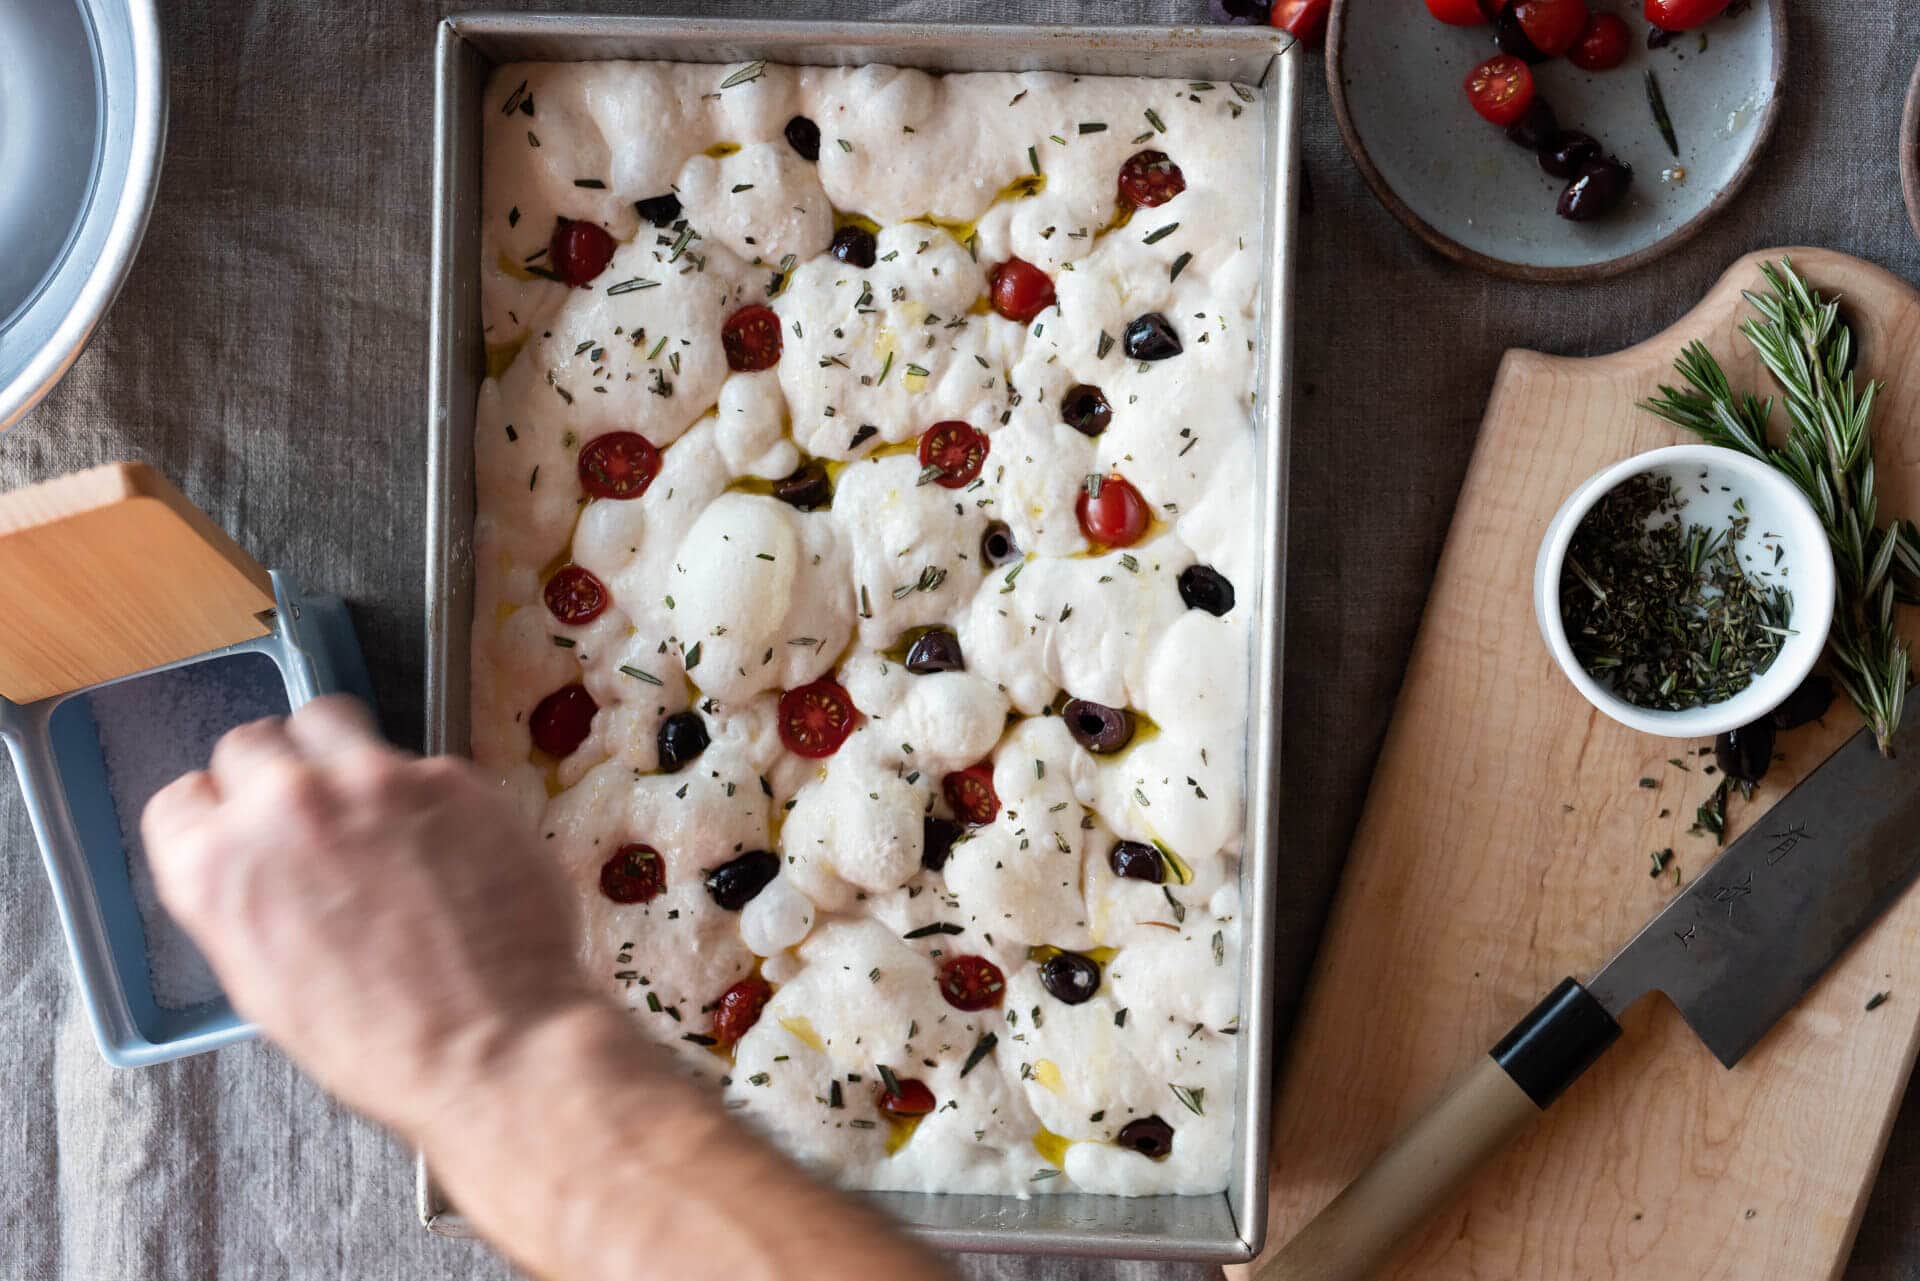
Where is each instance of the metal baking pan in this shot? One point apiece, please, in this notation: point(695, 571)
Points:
point(1222, 1228)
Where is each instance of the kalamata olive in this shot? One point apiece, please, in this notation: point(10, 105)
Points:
point(737, 883)
point(1148, 1135)
point(1596, 189)
point(1744, 754)
point(1070, 978)
point(935, 651)
point(937, 836)
point(1204, 587)
point(661, 211)
point(853, 246)
point(1808, 703)
point(1137, 861)
point(1085, 409)
point(1096, 727)
point(1512, 37)
point(997, 546)
point(809, 488)
point(1150, 337)
point(1238, 13)
point(1538, 130)
point(804, 137)
point(1564, 158)
point(682, 737)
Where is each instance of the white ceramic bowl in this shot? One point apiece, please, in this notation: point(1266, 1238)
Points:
point(1775, 507)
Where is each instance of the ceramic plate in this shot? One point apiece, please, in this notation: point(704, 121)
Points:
point(1396, 77)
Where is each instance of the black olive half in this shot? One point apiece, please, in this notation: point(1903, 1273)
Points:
point(997, 546)
point(1148, 1135)
point(804, 137)
point(1808, 703)
point(661, 211)
point(853, 246)
point(1070, 978)
point(1597, 188)
point(809, 488)
point(1565, 157)
point(1513, 38)
point(1096, 727)
point(1658, 37)
point(935, 651)
point(1150, 337)
point(1537, 130)
point(1204, 587)
point(1744, 754)
point(735, 884)
point(937, 836)
point(682, 737)
point(1085, 409)
point(1137, 861)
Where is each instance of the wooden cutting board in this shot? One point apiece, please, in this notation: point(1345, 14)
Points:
point(1505, 844)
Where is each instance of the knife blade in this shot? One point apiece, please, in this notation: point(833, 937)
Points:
point(1734, 952)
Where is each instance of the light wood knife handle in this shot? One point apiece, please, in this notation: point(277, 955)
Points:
point(1485, 1109)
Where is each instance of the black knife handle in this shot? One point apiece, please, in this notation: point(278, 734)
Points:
point(1549, 1049)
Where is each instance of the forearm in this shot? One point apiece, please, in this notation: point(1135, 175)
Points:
point(584, 1154)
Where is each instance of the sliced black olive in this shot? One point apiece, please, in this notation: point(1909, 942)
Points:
point(809, 488)
point(1538, 130)
point(1512, 37)
point(1658, 37)
point(1238, 13)
point(935, 651)
point(1744, 754)
point(1085, 409)
point(1150, 337)
point(1137, 861)
point(1808, 703)
point(1565, 157)
point(853, 246)
point(1597, 188)
point(937, 836)
point(1204, 587)
point(682, 737)
point(735, 884)
point(1148, 1135)
point(997, 545)
point(661, 211)
point(1071, 978)
point(1096, 727)
point(804, 137)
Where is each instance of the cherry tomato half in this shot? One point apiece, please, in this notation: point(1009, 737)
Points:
point(618, 465)
point(816, 718)
point(579, 251)
point(563, 719)
point(738, 1008)
point(1501, 89)
point(1683, 15)
point(1554, 26)
point(575, 596)
point(1603, 45)
point(635, 874)
point(970, 792)
point(1020, 291)
point(906, 1098)
point(957, 450)
point(1304, 20)
point(752, 339)
point(1116, 516)
point(1457, 13)
point(1148, 178)
point(972, 983)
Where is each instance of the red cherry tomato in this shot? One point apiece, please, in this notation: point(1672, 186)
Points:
point(575, 596)
point(970, 792)
point(752, 338)
point(972, 983)
point(635, 874)
point(579, 251)
point(1603, 45)
point(1148, 178)
point(1501, 89)
point(1554, 26)
point(618, 465)
point(562, 720)
point(1683, 15)
point(1457, 13)
point(815, 719)
point(907, 1098)
point(957, 450)
point(1115, 517)
point(738, 1008)
point(1020, 290)
point(1305, 20)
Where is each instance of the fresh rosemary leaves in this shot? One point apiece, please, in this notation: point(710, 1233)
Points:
point(1660, 608)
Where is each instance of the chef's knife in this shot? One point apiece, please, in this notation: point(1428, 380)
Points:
point(1734, 952)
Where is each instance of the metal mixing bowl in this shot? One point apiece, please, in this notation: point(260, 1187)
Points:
point(83, 116)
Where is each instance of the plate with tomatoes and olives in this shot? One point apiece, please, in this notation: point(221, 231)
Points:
point(1556, 140)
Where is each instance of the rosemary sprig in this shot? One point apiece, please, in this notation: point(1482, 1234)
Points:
point(1828, 454)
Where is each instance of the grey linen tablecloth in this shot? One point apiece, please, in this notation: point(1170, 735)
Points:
point(268, 353)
